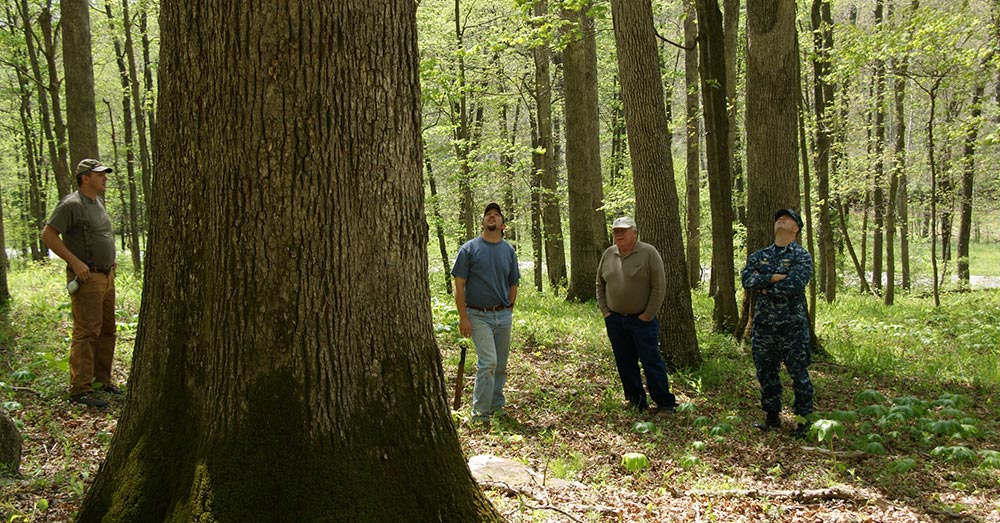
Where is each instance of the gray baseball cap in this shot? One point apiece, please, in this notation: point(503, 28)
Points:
point(623, 222)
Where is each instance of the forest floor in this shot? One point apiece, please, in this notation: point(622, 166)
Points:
point(919, 382)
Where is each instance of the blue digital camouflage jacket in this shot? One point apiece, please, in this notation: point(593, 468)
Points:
point(784, 301)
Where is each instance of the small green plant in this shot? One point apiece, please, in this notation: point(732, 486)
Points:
point(644, 427)
point(902, 466)
point(634, 461)
point(991, 459)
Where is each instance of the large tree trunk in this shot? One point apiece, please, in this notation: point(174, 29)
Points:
point(822, 26)
point(78, 65)
point(731, 28)
point(555, 255)
point(772, 100)
point(656, 205)
point(714, 83)
point(692, 140)
point(285, 366)
point(588, 228)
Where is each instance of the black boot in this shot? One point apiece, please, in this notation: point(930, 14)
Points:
point(772, 422)
point(801, 431)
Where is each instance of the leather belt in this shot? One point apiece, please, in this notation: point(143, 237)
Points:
point(488, 309)
point(102, 270)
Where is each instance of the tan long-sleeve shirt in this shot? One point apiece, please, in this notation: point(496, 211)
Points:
point(633, 284)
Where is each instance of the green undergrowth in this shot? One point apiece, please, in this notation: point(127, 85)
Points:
point(905, 396)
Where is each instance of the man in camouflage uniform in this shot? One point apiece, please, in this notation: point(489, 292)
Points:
point(778, 275)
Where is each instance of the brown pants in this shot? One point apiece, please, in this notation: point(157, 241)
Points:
point(93, 347)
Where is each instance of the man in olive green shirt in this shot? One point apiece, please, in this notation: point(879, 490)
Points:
point(88, 247)
point(630, 289)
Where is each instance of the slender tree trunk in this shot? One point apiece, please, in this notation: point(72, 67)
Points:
point(272, 379)
point(137, 101)
point(714, 83)
point(588, 227)
point(692, 139)
point(555, 256)
point(968, 183)
point(536, 202)
point(878, 161)
point(463, 136)
point(932, 93)
point(731, 28)
point(822, 26)
point(132, 208)
point(127, 225)
point(65, 180)
point(617, 132)
point(657, 207)
point(78, 64)
point(34, 201)
point(4, 263)
point(438, 223)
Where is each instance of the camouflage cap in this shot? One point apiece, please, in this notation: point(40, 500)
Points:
point(91, 165)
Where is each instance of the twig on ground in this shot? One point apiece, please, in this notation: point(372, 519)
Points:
point(804, 496)
point(837, 453)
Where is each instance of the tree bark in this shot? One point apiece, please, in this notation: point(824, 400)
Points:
point(731, 28)
point(78, 66)
point(463, 136)
point(285, 366)
point(878, 162)
point(692, 139)
point(65, 181)
point(822, 26)
point(555, 255)
point(656, 204)
point(536, 202)
point(588, 227)
point(132, 209)
point(618, 144)
point(714, 82)
point(138, 101)
point(772, 119)
point(438, 223)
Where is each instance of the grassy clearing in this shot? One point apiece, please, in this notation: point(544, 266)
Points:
point(907, 430)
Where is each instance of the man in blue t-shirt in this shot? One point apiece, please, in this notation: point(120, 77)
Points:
point(486, 278)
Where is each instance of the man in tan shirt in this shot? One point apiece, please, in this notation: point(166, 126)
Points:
point(630, 290)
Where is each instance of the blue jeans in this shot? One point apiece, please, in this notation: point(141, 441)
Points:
point(634, 341)
point(491, 334)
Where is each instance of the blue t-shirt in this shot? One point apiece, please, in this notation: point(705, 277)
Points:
point(489, 271)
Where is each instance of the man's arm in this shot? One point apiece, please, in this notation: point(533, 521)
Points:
point(752, 279)
point(798, 276)
point(512, 295)
point(51, 238)
point(657, 286)
point(464, 326)
point(602, 300)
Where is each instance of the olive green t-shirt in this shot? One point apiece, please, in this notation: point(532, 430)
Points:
point(633, 284)
point(86, 229)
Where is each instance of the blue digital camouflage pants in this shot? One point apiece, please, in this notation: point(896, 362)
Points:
point(788, 343)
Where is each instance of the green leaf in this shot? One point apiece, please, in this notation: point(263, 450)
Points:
point(946, 427)
point(11, 406)
point(635, 461)
point(720, 429)
point(827, 429)
point(843, 416)
point(956, 453)
point(874, 447)
point(698, 445)
point(644, 427)
point(869, 396)
point(702, 421)
point(689, 461)
point(991, 459)
point(902, 466)
point(687, 406)
point(874, 411)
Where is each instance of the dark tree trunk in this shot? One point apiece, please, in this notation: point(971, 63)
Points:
point(4, 265)
point(65, 181)
point(438, 223)
point(536, 202)
point(878, 162)
point(714, 83)
point(932, 93)
point(59, 166)
point(78, 67)
point(822, 26)
point(35, 203)
point(731, 24)
point(138, 103)
point(463, 136)
point(272, 379)
point(555, 255)
point(617, 133)
point(692, 140)
point(657, 208)
point(132, 208)
point(588, 228)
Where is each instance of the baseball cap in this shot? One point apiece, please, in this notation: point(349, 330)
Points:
point(623, 222)
point(493, 205)
point(88, 165)
point(792, 214)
